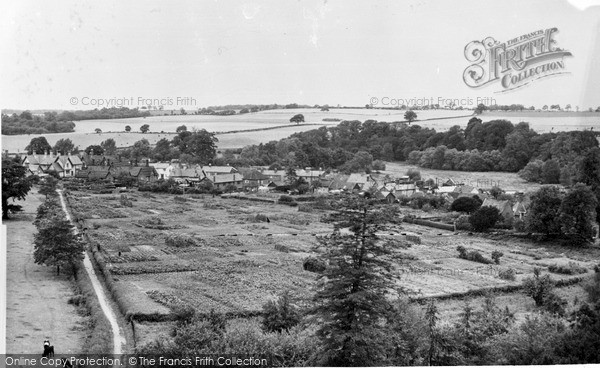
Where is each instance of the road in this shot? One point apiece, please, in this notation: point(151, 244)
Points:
point(118, 336)
point(37, 305)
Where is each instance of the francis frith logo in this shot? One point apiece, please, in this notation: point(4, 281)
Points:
point(516, 62)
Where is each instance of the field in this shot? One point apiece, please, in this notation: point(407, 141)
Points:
point(233, 260)
point(505, 180)
point(165, 126)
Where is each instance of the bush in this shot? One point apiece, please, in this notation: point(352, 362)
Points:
point(571, 268)
point(286, 199)
point(414, 175)
point(305, 207)
point(465, 204)
point(261, 218)
point(496, 256)
point(485, 218)
point(314, 264)
point(180, 240)
point(508, 274)
point(472, 255)
point(541, 289)
point(520, 225)
point(280, 315)
point(462, 223)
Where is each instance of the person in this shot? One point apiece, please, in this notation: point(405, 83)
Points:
point(48, 349)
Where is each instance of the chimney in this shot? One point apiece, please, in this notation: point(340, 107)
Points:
point(147, 162)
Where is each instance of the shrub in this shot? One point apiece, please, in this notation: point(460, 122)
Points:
point(485, 218)
point(520, 225)
point(305, 207)
point(571, 268)
point(125, 201)
point(472, 255)
point(508, 274)
point(592, 287)
point(414, 175)
point(314, 264)
point(496, 256)
point(280, 315)
point(180, 240)
point(462, 223)
point(261, 218)
point(541, 289)
point(465, 204)
point(286, 199)
point(180, 199)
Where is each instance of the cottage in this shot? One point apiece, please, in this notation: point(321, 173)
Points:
point(253, 179)
point(225, 180)
point(310, 175)
point(519, 210)
point(503, 206)
point(358, 182)
point(187, 175)
point(218, 170)
point(163, 169)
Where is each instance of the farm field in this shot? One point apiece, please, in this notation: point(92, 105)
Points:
point(505, 180)
point(240, 260)
point(165, 126)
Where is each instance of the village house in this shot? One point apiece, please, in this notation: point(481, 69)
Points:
point(253, 179)
point(163, 169)
point(64, 166)
point(504, 207)
point(225, 180)
point(188, 176)
point(218, 170)
point(360, 182)
point(310, 175)
point(275, 176)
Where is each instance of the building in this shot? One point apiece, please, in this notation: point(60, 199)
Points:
point(504, 207)
point(163, 169)
point(219, 170)
point(226, 180)
point(253, 179)
point(310, 175)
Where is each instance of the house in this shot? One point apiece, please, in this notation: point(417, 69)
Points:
point(406, 189)
point(504, 207)
point(519, 210)
point(163, 169)
point(219, 170)
point(225, 180)
point(100, 175)
point(253, 179)
point(144, 174)
point(187, 175)
point(69, 165)
point(389, 197)
point(274, 175)
point(358, 182)
point(310, 175)
point(64, 166)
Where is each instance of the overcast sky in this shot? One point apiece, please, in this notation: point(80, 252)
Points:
point(308, 52)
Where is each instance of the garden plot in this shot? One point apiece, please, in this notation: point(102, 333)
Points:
point(95, 207)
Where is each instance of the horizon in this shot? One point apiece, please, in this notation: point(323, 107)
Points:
point(337, 53)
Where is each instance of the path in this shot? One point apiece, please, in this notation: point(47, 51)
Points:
point(118, 336)
point(37, 299)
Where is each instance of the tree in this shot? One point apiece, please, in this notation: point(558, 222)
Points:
point(351, 300)
point(410, 116)
point(545, 107)
point(55, 244)
point(181, 128)
point(64, 146)
point(145, 128)
point(280, 315)
point(15, 185)
point(465, 204)
point(496, 191)
point(544, 210)
point(589, 174)
point(200, 145)
point(163, 150)
point(109, 146)
point(480, 108)
point(48, 186)
point(298, 118)
point(140, 149)
point(94, 149)
point(98, 130)
point(578, 213)
point(551, 172)
point(127, 128)
point(38, 145)
point(485, 218)
point(532, 171)
point(568, 107)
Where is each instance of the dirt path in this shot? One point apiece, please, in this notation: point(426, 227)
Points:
point(118, 337)
point(37, 299)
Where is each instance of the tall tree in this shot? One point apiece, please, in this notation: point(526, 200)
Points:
point(544, 210)
point(55, 244)
point(410, 116)
point(38, 145)
point(64, 146)
point(201, 145)
point(351, 300)
point(145, 128)
point(15, 185)
point(94, 149)
point(109, 146)
point(578, 213)
point(589, 174)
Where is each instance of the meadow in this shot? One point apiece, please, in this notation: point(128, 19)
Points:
point(237, 260)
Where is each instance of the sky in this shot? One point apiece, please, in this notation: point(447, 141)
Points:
point(84, 54)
